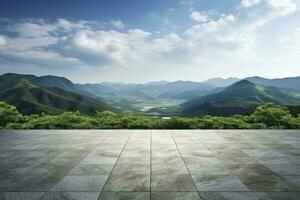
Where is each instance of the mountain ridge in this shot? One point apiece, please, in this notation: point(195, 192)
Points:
point(32, 99)
point(239, 98)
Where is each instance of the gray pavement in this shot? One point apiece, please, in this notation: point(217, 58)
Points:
point(150, 164)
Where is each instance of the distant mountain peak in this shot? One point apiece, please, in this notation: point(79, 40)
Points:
point(243, 82)
point(222, 82)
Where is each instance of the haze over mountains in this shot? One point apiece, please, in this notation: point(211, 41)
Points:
point(217, 96)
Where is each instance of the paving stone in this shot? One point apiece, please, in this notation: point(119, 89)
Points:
point(81, 183)
point(131, 169)
point(170, 160)
point(284, 169)
point(92, 169)
point(134, 160)
point(174, 182)
point(278, 195)
point(128, 182)
point(228, 196)
point(219, 183)
point(270, 182)
point(21, 195)
point(295, 179)
point(71, 196)
point(125, 196)
point(168, 169)
point(175, 196)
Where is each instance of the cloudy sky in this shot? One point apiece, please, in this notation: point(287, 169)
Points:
point(148, 40)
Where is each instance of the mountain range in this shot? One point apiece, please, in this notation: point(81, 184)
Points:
point(151, 90)
point(33, 95)
point(216, 96)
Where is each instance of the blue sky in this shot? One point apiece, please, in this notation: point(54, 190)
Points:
point(147, 40)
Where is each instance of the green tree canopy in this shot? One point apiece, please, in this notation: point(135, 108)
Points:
point(273, 116)
point(8, 114)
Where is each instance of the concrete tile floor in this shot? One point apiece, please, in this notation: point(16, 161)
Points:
point(149, 164)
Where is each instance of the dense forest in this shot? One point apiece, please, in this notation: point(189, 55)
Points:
point(266, 116)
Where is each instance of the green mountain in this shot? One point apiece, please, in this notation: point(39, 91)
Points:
point(291, 82)
point(46, 81)
point(30, 98)
point(239, 98)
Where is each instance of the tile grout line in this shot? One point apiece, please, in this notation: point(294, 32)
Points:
point(110, 174)
point(186, 166)
point(74, 166)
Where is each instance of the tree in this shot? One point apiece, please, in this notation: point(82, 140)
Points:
point(273, 116)
point(8, 114)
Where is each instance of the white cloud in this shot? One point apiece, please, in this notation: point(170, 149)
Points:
point(105, 47)
point(283, 7)
point(2, 41)
point(65, 24)
point(117, 24)
point(239, 30)
point(68, 25)
point(32, 29)
point(213, 26)
point(165, 45)
point(249, 3)
point(199, 17)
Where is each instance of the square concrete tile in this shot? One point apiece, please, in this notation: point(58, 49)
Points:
point(284, 169)
point(125, 196)
point(164, 152)
point(228, 196)
point(170, 160)
point(81, 183)
point(265, 183)
point(128, 182)
point(21, 195)
point(136, 153)
point(92, 169)
point(132, 169)
point(295, 179)
point(103, 152)
point(255, 169)
point(175, 196)
point(95, 159)
point(219, 183)
point(33, 181)
point(278, 195)
point(173, 182)
point(161, 169)
point(71, 196)
point(208, 169)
